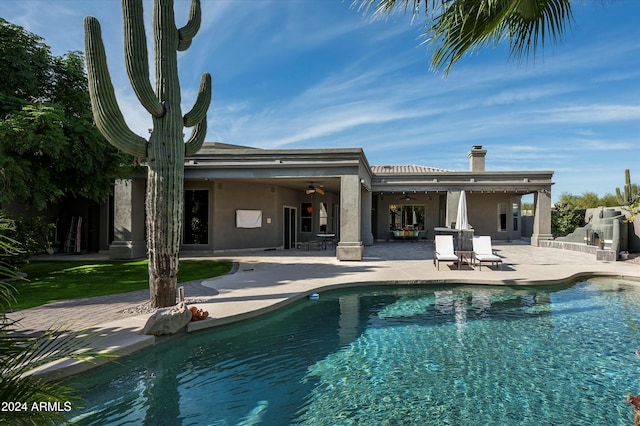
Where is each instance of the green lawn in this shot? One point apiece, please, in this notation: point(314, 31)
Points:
point(54, 281)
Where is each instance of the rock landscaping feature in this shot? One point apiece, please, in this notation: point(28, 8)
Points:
point(168, 320)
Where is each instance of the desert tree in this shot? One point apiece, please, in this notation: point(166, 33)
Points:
point(49, 148)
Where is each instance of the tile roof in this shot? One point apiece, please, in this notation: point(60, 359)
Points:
point(409, 169)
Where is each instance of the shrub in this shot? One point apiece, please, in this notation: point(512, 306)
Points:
point(32, 235)
point(565, 220)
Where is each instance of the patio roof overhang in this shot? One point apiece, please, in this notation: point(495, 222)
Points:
point(292, 168)
point(522, 182)
point(295, 168)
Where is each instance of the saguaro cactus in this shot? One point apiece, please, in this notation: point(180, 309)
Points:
point(629, 197)
point(165, 150)
point(630, 193)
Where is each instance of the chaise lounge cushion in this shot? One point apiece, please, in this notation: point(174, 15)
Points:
point(483, 252)
point(444, 250)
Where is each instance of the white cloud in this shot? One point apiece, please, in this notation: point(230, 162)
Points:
point(589, 113)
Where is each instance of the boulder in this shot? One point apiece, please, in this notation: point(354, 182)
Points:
point(168, 320)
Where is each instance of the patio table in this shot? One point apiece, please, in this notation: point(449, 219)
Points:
point(324, 238)
point(466, 256)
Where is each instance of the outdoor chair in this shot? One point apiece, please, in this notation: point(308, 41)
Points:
point(444, 251)
point(483, 252)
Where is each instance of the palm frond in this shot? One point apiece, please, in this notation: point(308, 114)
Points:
point(454, 28)
point(8, 247)
point(535, 22)
point(7, 292)
point(378, 9)
point(22, 355)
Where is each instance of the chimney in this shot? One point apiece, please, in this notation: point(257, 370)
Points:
point(476, 158)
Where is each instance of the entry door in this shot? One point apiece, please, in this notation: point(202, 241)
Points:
point(289, 227)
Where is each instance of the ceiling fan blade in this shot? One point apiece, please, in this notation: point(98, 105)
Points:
point(320, 191)
point(309, 191)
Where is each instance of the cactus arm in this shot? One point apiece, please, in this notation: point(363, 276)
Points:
point(189, 31)
point(619, 197)
point(196, 139)
point(199, 110)
point(135, 55)
point(106, 112)
point(183, 45)
point(630, 193)
point(631, 189)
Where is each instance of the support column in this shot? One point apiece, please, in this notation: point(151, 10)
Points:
point(128, 220)
point(367, 235)
point(350, 245)
point(453, 198)
point(542, 218)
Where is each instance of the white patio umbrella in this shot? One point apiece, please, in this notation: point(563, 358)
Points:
point(462, 222)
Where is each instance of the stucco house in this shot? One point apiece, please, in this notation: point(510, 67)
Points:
point(249, 198)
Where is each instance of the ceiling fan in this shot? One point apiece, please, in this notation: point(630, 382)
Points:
point(406, 197)
point(312, 188)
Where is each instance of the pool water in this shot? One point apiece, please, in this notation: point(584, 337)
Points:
point(412, 355)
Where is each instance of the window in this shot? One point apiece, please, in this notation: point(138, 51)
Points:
point(306, 217)
point(324, 216)
point(502, 217)
point(515, 209)
point(406, 216)
point(196, 211)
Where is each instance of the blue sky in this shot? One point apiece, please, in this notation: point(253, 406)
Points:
point(320, 74)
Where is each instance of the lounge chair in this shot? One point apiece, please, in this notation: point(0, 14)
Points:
point(483, 252)
point(444, 251)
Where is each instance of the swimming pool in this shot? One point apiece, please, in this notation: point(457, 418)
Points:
point(440, 355)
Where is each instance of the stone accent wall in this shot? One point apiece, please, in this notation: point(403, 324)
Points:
point(602, 255)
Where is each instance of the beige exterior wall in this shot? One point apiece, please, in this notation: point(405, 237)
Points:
point(230, 196)
point(225, 197)
point(482, 210)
